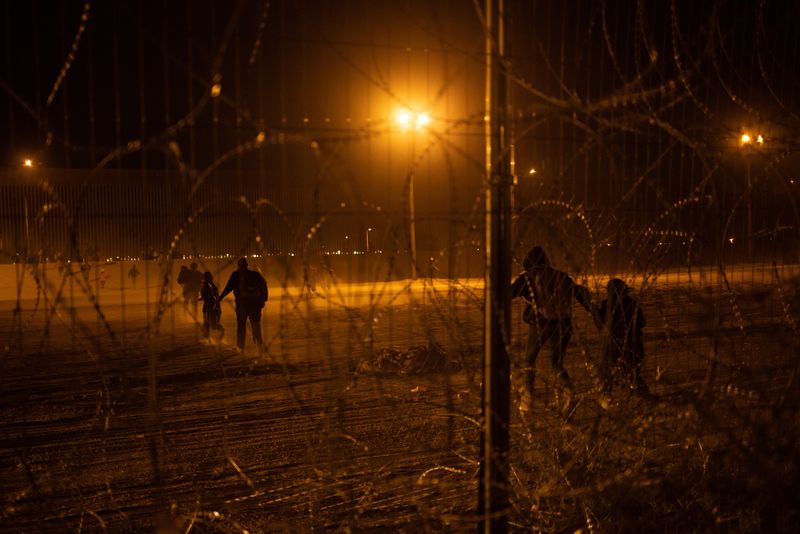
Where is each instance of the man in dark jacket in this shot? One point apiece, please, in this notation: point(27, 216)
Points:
point(549, 294)
point(251, 294)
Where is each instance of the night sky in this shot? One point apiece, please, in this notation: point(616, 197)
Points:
point(606, 96)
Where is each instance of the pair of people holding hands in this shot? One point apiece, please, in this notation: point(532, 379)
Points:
point(549, 292)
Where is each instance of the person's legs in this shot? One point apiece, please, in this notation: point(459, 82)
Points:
point(241, 326)
point(538, 333)
point(216, 324)
point(607, 365)
point(633, 368)
point(255, 325)
point(558, 349)
point(207, 324)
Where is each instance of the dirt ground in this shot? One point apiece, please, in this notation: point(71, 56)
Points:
point(108, 424)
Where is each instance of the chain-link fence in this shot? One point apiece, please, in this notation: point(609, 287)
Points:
point(339, 147)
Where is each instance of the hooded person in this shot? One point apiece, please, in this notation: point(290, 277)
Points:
point(620, 318)
point(548, 293)
point(251, 294)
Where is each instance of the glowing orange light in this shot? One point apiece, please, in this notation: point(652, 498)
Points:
point(760, 140)
point(532, 171)
point(27, 163)
point(746, 138)
point(403, 118)
point(406, 119)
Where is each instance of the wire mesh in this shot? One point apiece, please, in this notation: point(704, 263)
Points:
point(655, 142)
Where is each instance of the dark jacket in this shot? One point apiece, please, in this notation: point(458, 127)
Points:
point(624, 323)
point(209, 294)
point(192, 280)
point(549, 294)
point(249, 288)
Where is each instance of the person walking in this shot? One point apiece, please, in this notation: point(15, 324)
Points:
point(102, 278)
point(182, 282)
point(549, 294)
point(212, 311)
point(190, 280)
point(620, 318)
point(133, 274)
point(251, 294)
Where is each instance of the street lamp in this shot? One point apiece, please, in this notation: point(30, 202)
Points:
point(27, 163)
point(414, 121)
point(748, 142)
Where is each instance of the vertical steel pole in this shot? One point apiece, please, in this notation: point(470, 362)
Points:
point(493, 485)
point(749, 213)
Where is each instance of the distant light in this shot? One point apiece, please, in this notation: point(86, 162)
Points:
point(532, 171)
point(27, 163)
point(730, 240)
point(747, 138)
point(403, 118)
point(216, 89)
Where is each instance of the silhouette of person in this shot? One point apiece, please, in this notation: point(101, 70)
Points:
point(133, 274)
point(190, 279)
point(182, 282)
point(102, 278)
point(251, 294)
point(548, 293)
point(85, 268)
point(620, 318)
point(212, 311)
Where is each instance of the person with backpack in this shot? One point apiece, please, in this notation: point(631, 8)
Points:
point(251, 294)
point(549, 294)
point(212, 311)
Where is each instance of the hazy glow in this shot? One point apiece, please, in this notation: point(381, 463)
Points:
point(532, 171)
point(406, 119)
point(27, 162)
point(748, 138)
point(403, 119)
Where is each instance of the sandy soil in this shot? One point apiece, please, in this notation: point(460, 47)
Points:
point(117, 415)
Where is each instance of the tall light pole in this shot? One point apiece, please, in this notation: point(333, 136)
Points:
point(749, 142)
point(27, 164)
point(413, 122)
